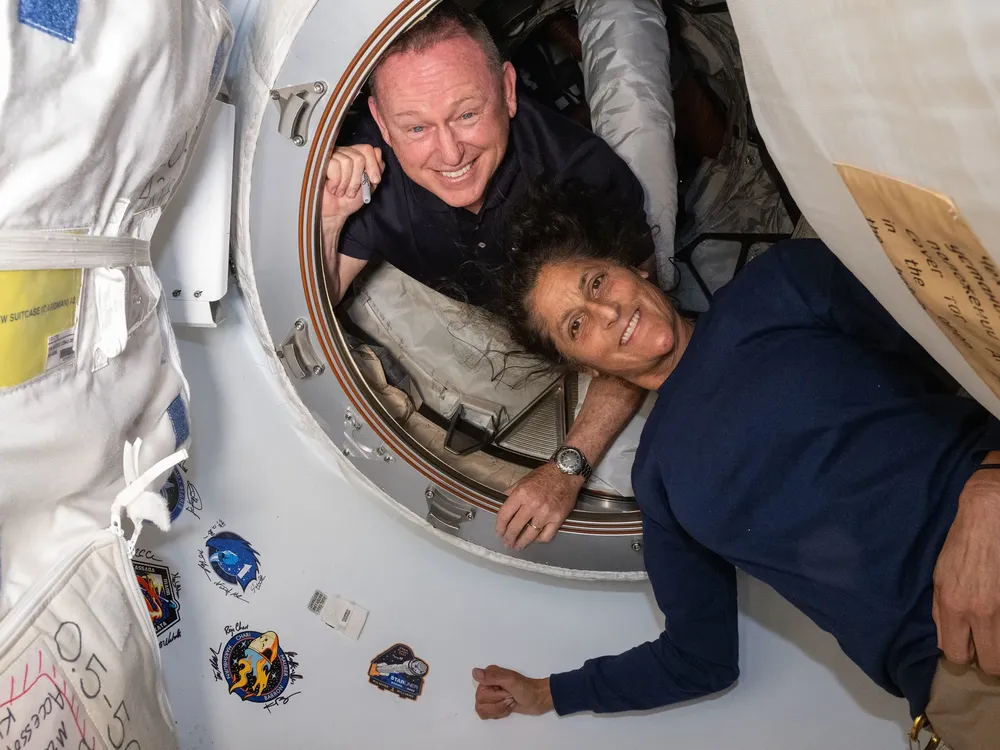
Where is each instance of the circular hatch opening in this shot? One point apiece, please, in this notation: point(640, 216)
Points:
point(419, 426)
point(436, 383)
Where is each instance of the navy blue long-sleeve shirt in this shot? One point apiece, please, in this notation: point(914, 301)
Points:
point(805, 438)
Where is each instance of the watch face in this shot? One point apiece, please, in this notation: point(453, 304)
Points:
point(570, 461)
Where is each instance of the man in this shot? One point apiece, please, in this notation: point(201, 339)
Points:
point(448, 148)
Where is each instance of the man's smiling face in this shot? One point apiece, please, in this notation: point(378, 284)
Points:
point(445, 112)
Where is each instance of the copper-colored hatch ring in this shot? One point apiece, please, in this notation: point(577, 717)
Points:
point(406, 13)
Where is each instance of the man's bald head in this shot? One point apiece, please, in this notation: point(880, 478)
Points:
point(446, 21)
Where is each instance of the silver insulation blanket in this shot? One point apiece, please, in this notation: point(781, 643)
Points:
point(626, 69)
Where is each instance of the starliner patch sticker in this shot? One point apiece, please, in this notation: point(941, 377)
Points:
point(399, 671)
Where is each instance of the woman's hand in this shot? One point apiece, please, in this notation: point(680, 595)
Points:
point(503, 692)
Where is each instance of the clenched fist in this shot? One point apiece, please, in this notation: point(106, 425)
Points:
point(502, 692)
point(342, 195)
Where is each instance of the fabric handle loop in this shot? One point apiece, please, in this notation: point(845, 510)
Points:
point(136, 499)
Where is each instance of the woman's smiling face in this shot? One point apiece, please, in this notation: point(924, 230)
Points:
point(608, 318)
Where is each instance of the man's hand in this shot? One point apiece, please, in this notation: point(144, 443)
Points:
point(502, 692)
point(342, 195)
point(537, 506)
point(967, 577)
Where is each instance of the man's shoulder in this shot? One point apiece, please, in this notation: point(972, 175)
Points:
point(551, 142)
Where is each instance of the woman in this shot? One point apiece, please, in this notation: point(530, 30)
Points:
point(799, 434)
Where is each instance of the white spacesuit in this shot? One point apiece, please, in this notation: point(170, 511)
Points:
point(100, 105)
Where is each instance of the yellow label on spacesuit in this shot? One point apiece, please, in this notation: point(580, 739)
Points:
point(941, 261)
point(37, 322)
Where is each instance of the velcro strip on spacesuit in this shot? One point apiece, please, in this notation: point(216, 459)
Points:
point(54, 17)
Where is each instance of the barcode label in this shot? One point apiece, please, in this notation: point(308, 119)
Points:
point(316, 602)
point(61, 348)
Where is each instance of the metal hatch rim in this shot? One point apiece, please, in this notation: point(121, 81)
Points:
point(328, 331)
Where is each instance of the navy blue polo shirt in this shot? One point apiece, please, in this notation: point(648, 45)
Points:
point(806, 439)
point(455, 251)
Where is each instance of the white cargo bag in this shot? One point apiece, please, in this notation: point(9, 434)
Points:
point(890, 112)
point(79, 660)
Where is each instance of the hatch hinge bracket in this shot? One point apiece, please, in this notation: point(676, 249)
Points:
point(297, 354)
point(295, 107)
point(445, 512)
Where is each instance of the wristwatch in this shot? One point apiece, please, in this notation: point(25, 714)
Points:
point(570, 460)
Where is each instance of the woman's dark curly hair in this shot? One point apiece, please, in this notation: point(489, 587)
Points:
point(554, 223)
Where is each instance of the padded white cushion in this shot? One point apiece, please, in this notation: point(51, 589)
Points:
point(905, 88)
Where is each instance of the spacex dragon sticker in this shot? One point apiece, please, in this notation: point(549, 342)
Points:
point(255, 667)
point(230, 562)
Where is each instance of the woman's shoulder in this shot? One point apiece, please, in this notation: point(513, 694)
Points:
point(805, 263)
point(732, 349)
point(782, 288)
